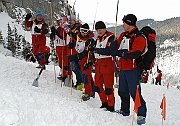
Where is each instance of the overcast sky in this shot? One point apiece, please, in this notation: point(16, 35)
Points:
point(143, 9)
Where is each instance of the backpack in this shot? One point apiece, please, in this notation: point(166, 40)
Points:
point(146, 61)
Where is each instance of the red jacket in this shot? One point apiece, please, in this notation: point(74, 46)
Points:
point(38, 38)
point(159, 76)
point(135, 46)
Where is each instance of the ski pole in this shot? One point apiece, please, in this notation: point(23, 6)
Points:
point(53, 48)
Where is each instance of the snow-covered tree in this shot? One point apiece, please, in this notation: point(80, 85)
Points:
point(17, 41)
point(1, 38)
point(10, 41)
point(26, 47)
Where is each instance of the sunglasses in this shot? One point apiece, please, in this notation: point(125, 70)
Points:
point(82, 30)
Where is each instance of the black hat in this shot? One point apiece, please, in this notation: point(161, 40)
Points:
point(130, 19)
point(85, 26)
point(100, 25)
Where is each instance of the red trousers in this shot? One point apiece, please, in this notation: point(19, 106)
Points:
point(104, 80)
point(37, 49)
point(88, 76)
point(62, 59)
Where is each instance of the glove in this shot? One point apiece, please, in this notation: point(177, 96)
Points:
point(87, 65)
point(53, 30)
point(114, 52)
point(92, 47)
point(37, 30)
point(73, 58)
point(114, 45)
point(71, 45)
point(28, 16)
point(123, 53)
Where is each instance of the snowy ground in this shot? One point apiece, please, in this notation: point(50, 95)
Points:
point(21, 104)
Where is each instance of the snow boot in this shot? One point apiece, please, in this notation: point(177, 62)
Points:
point(122, 113)
point(79, 86)
point(110, 108)
point(62, 78)
point(92, 95)
point(41, 67)
point(104, 105)
point(86, 97)
point(141, 120)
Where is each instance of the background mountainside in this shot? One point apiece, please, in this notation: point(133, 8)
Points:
point(167, 29)
point(12, 6)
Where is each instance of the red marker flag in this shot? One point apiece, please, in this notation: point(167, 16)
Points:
point(163, 107)
point(137, 102)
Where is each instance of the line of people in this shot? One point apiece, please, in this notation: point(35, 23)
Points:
point(78, 50)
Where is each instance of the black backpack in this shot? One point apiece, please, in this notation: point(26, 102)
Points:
point(146, 61)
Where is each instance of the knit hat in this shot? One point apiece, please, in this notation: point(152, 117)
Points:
point(85, 26)
point(100, 25)
point(130, 19)
point(38, 13)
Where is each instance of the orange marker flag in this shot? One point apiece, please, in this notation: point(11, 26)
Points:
point(163, 107)
point(137, 102)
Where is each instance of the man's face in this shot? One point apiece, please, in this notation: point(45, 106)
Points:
point(39, 18)
point(127, 28)
point(101, 32)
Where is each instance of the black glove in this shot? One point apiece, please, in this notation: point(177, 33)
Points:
point(71, 45)
point(37, 30)
point(114, 52)
point(73, 58)
point(123, 53)
point(53, 30)
point(92, 47)
point(114, 45)
point(87, 65)
point(28, 16)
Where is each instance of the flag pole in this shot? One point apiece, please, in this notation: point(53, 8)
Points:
point(133, 119)
point(137, 103)
point(53, 49)
point(115, 56)
point(163, 104)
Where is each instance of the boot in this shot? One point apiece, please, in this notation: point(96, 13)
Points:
point(41, 67)
point(110, 108)
point(79, 86)
point(141, 120)
point(62, 78)
point(86, 97)
point(104, 105)
point(93, 95)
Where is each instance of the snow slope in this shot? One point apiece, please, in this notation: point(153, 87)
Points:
point(21, 104)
